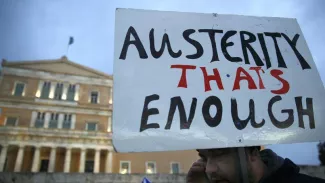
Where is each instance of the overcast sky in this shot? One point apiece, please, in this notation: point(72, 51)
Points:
point(40, 29)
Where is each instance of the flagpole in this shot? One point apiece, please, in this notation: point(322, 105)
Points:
point(67, 50)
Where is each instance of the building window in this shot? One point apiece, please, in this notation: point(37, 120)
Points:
point(54, 120)
point(71, 92)
point(46, 90)
point(39, 123)
point(89, 166)
point(58, 91)
point(92, 126)
point(94, 97)
point(44, 165)
point(125, 167)
point(174, 168)
point(11, 121)
point(19, 89)
point(67, 121)
point(151, 167)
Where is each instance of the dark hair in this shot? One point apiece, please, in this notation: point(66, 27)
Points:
point(252, 148)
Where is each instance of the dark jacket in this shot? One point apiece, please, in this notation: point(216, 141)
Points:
point(284, 170)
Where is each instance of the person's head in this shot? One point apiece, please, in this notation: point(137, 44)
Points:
point(222, 165)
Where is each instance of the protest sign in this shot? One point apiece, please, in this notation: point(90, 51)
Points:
point(190, 80)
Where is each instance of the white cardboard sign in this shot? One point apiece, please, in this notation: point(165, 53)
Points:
point(192, 81)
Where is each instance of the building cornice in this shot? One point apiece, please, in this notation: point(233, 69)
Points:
point(52, 102)
point(55, 138)
point(63, 59)
point(52, 132)
point(56, 76)
point(66, 109)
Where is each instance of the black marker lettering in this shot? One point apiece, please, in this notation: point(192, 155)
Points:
point(264, 49)
point(212, 121)
point(212, 36)
point(241, 124)
point(293, 44)
point(309, 111)
point(280, 124)
point(225, 44)
point(165, 40)
point(136, 42)
point(147, 112)
point(246, 45)
point(184, 123)
point(274, 35)
point(196, 44)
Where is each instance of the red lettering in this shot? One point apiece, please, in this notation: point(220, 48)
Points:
point(260, 81)
point(183, 82)
point(215, 77)
point(285, 85)
point(251, 83)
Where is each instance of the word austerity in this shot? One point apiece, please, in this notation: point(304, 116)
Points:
point(247, 39)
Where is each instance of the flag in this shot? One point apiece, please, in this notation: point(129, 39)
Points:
point(71, 40)
point(145, 180)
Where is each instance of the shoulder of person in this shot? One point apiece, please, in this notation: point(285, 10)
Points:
point(290, 173)
point(303, 178)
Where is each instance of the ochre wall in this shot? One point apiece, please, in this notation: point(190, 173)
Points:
point(85, 91)
point(28, 159)
point(11, 158)
point(8, 83)
point(59, 162)
point(24, 116)
point(162, 159)
point(75, 159)
point(82, 119)
point(138, 160)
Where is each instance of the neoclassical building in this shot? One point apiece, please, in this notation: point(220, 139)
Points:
point(55, 116)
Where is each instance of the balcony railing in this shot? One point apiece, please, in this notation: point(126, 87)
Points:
point(54, 132)
point(53, 124)
point(55, 101)
point(39, 123)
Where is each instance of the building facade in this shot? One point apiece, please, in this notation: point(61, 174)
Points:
point(55, 116)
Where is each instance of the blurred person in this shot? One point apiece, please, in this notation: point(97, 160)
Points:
point(222, 166)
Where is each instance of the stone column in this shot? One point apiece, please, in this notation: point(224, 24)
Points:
point(65, 91)
point(36, 158)
point(3, 157)
point(67, 160)
point(73, 121)
point(19, 159)
point(82, 160)
point(109, 124)
point(60, 120)
point(52, 160)
point(52, 90)
point(110, 95)
point(97, 161)
point(33, 119)
point(109, 161)
point(76, 94)
point(47, 119)
point(39, 89)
